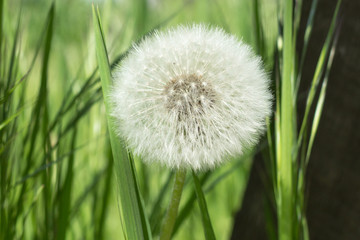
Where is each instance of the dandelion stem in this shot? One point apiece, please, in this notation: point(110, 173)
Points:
point(171, 214)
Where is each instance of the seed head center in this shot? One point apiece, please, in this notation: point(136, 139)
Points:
point(188, 95)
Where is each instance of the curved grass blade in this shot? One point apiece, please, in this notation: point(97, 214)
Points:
point(157, 213)
point(66, 192)
point(100, 228)
point(48, 165)
point(87, 190)
point(321, 100)
point(307, 35)
point(318, 73)
point(1, 25)
point(185, 211)
point(9, 119)
point(39, 115)
point(133, 216)
point(208, 230)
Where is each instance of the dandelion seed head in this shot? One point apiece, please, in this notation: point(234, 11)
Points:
point(190, 97)
point(185, 94)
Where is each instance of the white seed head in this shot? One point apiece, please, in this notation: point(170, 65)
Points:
point(190, 97)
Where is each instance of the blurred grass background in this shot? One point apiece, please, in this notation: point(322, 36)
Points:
point(57, 178)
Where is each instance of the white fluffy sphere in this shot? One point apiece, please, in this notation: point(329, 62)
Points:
point(190, 97)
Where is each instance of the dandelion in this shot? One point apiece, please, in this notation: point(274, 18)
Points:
point(190, 97)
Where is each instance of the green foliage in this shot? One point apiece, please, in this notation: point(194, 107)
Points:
point(289, 149)
point(63, 175)
point(134, 218)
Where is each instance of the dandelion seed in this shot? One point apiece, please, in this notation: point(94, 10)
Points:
point(206, 97)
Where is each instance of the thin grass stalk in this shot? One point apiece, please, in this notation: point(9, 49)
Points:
point(3, 162)
point(43, 98)
point(100, 229)
point(318, 74)
point(157, 212)
point(66, 192)
point(39, 109)
point(321, 100)
point(1, 26)
point(186, 210)
point(208, 229)
point(170, 218)
point(307, 35)
point(259, 34)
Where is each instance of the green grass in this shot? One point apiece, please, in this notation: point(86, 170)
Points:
point(132, 212)
point(65, 175)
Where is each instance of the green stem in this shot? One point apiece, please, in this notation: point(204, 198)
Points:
point(171, 214)
point(285, 166)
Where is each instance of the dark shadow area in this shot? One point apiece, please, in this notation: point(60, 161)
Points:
point(333, 180)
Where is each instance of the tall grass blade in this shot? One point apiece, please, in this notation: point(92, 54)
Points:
point(186, 210)
point(307, 35)
point(318, 73)
point(188, 206)
point(1, 26)
point(100, 229)
point(157, 212)
point(285, 162)
point(259, 35)
point(66, 192)
point(43, 112)
point(87, 190)
point(208, 230)
point(140, 11)
point(277, 117)
point(133, 215)
point(321, 100)
point(39, 121)
point(3, 163)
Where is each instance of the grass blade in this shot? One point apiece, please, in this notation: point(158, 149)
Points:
point(1, 25)
point(10, 119)
point(285, 162)
point(86, 192)
point(39, 117)
point(134, 220)
point(157, 212)
point(318, 73)
point(100, 228)
point(258, 27)
point(208, 230)
point(308, 31)
point(66, 192)
point(321, 100)
point(185, 211)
